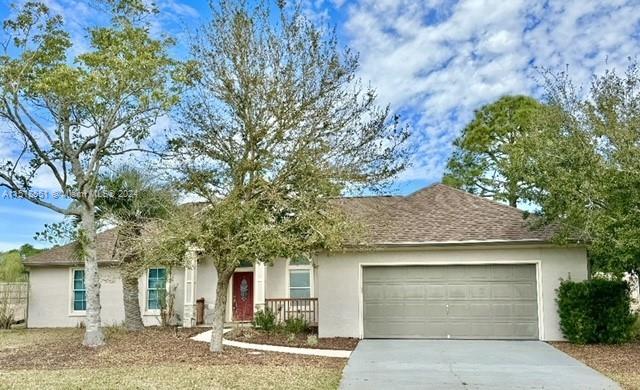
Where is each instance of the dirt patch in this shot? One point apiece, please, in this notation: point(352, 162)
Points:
point(153, 346)
point(619, 362)
point(255, 336)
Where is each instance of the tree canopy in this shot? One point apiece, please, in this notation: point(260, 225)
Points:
point(276, 126)
point(488, 156)
point(11, 267)
point(70, 109)
point(583, 165)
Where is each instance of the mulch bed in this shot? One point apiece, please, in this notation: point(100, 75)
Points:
point(256, 336)
point(152, 346)
point(621, 362)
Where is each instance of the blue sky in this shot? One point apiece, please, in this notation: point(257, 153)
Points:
point(434, 61)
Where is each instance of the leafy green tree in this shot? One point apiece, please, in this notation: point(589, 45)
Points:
point(488, 155)
point(132, 200)
point(70, 115)
point(275, 127)
point(584, 166)
point(11, 267)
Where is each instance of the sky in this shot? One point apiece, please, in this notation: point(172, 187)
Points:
point(434, 62)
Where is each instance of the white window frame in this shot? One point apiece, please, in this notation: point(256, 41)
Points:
point(305, 267)
point(72, 311)
point(148, 311)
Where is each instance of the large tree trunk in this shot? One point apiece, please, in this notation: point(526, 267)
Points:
point(93, 336)
point(131, 300)
point(220, 310)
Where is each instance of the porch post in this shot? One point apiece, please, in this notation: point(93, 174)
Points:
point(190, 277)
point(259, 285)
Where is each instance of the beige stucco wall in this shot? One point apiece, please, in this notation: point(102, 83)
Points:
point(50, 297)
point(339, 285)
point(276, 284)
point(206, 280)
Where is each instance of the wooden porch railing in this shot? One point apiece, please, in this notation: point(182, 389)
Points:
point(285, 308)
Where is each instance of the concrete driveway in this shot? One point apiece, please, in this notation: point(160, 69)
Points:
point(466, 364)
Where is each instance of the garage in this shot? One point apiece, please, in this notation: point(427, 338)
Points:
point(487, 301)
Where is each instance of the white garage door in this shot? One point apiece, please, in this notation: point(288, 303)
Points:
point(497, 301)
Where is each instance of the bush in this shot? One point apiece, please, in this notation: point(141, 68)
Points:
point(296, 325)
point(595, 311)
point(635, 329)
point(312, 340)
point(6, 312)
point(265, 320)
point(6, 318)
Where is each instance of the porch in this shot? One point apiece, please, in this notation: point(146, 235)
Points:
point(287, 288)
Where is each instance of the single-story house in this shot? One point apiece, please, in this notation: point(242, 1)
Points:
point(439, 263)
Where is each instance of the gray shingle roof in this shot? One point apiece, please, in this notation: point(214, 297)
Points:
point(63, 255)
point(438, 214)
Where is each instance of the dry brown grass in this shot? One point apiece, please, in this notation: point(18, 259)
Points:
point(154, 358)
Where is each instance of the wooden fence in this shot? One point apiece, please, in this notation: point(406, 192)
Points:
point(14, 301)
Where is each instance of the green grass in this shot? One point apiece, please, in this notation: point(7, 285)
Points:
point(174, 377)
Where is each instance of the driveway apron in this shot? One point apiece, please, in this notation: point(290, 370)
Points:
point(466, 364)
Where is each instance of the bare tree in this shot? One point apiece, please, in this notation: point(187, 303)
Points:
point(276, 126)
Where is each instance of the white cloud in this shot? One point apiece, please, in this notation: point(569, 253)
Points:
point(437, 61)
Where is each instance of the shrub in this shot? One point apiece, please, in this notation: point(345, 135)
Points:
point(595, 311)
point(6, 316)
point(312, 340)
point(296, 325)
point(265, 320)
point(6, 311)
point(635, 329)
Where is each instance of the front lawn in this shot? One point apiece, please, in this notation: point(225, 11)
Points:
point(154, 358)
point(619, 362)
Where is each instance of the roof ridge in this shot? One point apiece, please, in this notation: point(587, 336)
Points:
point(419, 190)
point(489, 200)
point(368, 196)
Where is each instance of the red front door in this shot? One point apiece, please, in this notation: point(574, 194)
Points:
point(242, 297)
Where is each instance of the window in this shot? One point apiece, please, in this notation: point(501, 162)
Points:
point(301, 260)
point(79, 291)
point(156, 288)
point(300, 283)
point(300, 277)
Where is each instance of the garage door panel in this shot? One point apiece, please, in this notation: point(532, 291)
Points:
point(524, 290)
point(529, 309)
point(471, 301)
point(435, 310)
point(456, 291)
point(524, 273)
point(436, 291)
point(473, 273)
point(413, 291)
point(477, 291)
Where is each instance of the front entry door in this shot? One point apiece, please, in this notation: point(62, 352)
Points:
point(242, 297)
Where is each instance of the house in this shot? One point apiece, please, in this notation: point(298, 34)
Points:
point(439, 263)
